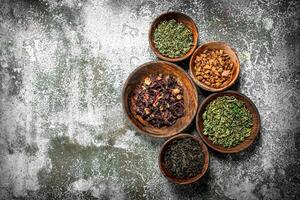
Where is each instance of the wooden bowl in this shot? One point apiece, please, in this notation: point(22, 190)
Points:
point(179, 17)
point(186, 180)
point(190, 97)
point(227, 49)
point(248, 104)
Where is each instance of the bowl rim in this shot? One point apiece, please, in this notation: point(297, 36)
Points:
point(219, 148)
point(161, 56)
point(191, 179)
point(124, 96)
point(208, 88)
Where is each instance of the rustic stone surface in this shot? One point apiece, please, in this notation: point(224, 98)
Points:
point(62, 130)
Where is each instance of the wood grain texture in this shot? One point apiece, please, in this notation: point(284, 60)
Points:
point(179, 17)
point(227, 49)
point(190, 97)
point(186, 180)
point(248, 104)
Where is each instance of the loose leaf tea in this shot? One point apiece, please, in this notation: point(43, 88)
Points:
point(227, 122)
point(213, 68)
point(173, 39)
point(183, 158)
point(159, 100)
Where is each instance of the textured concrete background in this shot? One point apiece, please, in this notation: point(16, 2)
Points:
point(62, 130)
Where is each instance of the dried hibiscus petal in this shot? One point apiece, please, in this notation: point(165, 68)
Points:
point(159, 100)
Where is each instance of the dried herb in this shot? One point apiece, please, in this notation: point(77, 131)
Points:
point(159, 100)
point(173, 39)
point(227, 122)
point(183, 158)
point(213, 68)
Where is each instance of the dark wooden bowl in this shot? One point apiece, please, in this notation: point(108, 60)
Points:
point(179, 17)
point(248, 104)
point(186, 180)
point(190, 97)
point(227, 49)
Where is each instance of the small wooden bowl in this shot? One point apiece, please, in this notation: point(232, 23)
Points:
point(227, 49)
point(179, 17)
point(190, 97)
point(186, 180)
point(248, 104)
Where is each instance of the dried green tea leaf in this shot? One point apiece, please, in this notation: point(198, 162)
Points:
point(172, 39)
point(183, 158)
point(227, 122)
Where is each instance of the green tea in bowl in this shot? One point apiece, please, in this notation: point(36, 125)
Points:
point(173, 39)
point(173, 36)
point(184, 159)
point(227, 122)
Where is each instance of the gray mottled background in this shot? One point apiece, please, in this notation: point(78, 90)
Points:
point(63, 134)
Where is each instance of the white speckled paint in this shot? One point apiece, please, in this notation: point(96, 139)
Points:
point(62, 67)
